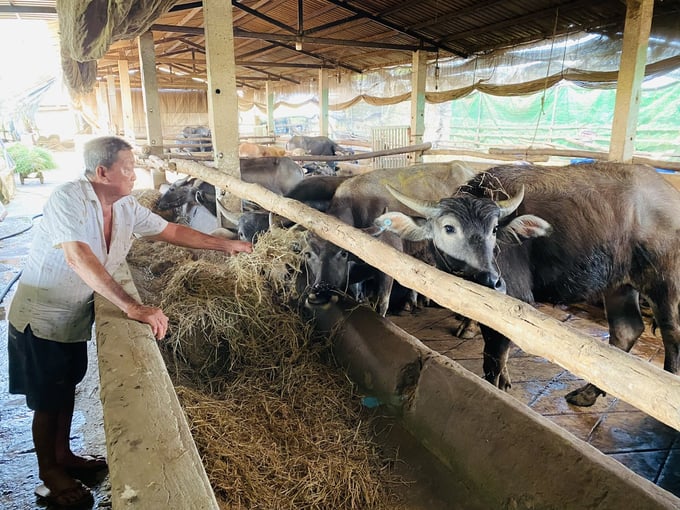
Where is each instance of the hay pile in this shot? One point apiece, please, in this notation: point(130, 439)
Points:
point(275, 425)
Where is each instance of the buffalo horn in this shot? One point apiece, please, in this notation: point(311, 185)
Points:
point(508, 206)
point(423, 207)
point(231, 217)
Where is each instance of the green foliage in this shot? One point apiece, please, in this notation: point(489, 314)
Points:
point(30, 159)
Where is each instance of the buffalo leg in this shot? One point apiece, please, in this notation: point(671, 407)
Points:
point(622, 306)
point(496, 350)
point(385, 283)
point(668, 321)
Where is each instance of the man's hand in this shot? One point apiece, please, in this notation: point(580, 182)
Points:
point(233, 247)
point(152, 316)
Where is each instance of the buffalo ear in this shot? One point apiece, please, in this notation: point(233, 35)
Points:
point(522, 228)
point(404, 226)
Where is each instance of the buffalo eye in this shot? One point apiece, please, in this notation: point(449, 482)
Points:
point(495, 229)
point(343, 254)
point(449, 229)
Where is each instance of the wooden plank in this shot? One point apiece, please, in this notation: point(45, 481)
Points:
point(629, 85)
point(153, 461)
point(639, 383)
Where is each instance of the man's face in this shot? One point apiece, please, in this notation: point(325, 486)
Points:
point(121, 174)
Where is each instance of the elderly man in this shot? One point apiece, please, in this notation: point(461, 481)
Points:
point(85, 234)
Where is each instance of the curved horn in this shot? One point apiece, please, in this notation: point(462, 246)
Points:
point(422, 207)
point(231, 217)
point(509, 206)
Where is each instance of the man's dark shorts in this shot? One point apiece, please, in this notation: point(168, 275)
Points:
point(44, 370)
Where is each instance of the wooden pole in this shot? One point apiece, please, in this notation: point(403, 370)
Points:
point(639, 383)
point(418, 82)
point(571, 153)
point(126, 99)
point(366, 155)
point(629, 84)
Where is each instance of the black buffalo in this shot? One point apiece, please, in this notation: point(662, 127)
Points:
point(563, 235)
point(330, 270)
point(188, 192)
point(315, 145)
point(314, 191)
point(196, 139)
point(279, 175)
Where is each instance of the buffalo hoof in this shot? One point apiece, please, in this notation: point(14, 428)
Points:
point(467, 329)
point(500, 381)
point(585, 396)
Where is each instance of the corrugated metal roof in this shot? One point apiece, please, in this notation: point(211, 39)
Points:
point(357, 34)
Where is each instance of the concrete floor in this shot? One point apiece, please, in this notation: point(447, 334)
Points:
point(641, 443)
point(18, 465)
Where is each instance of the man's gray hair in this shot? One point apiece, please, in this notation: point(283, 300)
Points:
point(102, 151)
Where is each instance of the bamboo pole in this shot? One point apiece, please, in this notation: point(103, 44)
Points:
point(367, 155)
point(569, 153)
point(639, 383)
point(515, 156)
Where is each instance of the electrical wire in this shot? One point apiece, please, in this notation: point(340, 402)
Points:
point(9, 286)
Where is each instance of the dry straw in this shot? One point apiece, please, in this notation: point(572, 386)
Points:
point(277, 427)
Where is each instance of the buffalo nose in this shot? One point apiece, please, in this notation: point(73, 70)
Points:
point(490, 280)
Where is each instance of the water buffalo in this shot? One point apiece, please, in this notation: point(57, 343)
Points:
point(279, 175)
point(315, 192)
point(254, 150)
point(196, 139)
point(358, 201)
point(315, 145)
point(563, 235)
point(188, 192)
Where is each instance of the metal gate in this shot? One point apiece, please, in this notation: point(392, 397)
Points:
point(391, 137)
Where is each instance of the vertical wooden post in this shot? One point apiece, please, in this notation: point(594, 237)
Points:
point(323, 101)
point(103, 108)
point(271, 127)
point(222, 97)
point(629, 86)
point(113, 103)
point(152, 104)
point(126, 100)
point(418, 80)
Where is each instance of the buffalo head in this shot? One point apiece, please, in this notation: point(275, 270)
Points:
point(465, 231)
point(188, 191)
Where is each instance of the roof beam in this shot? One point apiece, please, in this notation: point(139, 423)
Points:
point(393, 26)
point(244, 34)
point(264, 17)
point(332, 24)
